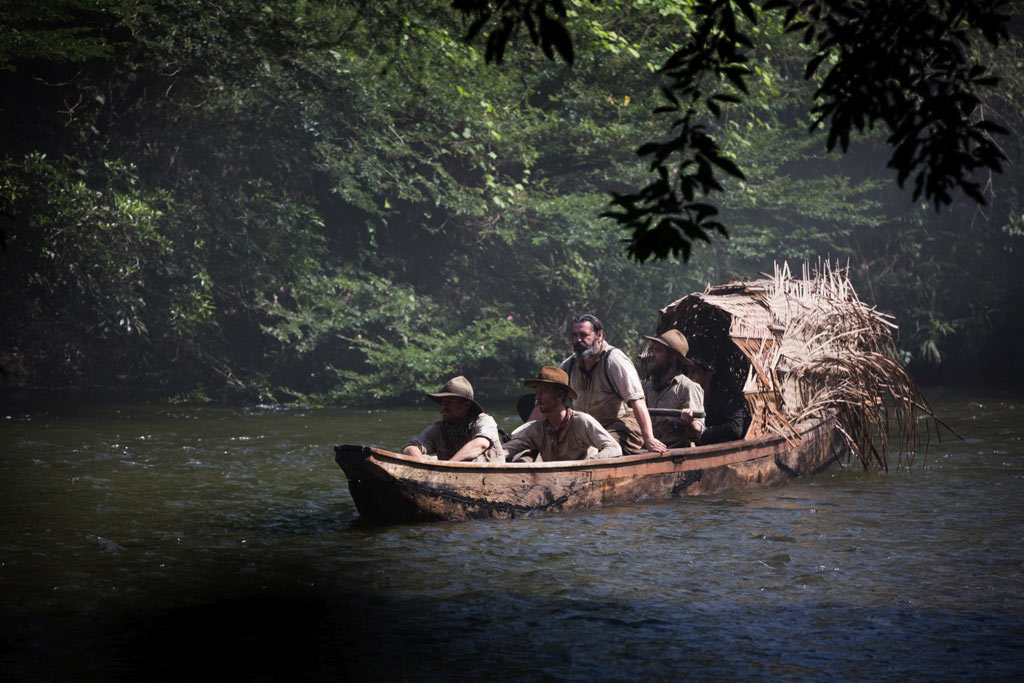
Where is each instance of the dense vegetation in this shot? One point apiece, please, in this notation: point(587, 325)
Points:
point(306, 199)
point(907, 68)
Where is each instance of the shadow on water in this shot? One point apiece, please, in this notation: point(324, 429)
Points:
point(363, 637)
point(216, 546)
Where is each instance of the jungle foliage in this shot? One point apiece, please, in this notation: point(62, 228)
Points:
point(345, 203)
point(906, 67)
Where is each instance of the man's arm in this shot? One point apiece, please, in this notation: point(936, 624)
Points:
point(484, 427)
point(626, 381)
point(695, 399)
point(424, 443)
point(690, 426)
point(522, 440)
point(730, 430)
point(732, 427)
point(472, 448)
point(605, 443)
point(643, 418)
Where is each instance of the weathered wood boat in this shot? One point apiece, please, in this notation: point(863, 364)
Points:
point(818, 371)
point(393, 486)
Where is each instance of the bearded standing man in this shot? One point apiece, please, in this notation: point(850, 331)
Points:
point(609, 387)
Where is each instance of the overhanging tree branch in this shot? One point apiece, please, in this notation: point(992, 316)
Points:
point(904, 65)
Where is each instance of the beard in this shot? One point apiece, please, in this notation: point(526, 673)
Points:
point(663, 368)
point(457, 421)
point(583, 352)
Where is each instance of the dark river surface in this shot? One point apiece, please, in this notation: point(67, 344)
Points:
point(186, 543)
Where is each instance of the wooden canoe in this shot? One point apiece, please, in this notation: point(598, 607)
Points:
point(392, 486)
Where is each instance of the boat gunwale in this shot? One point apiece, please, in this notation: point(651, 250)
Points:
point(674, 454)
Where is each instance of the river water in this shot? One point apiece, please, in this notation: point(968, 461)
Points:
point(205, 543)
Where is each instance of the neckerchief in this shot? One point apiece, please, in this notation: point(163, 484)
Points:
point(457, 432)
point(556, 434)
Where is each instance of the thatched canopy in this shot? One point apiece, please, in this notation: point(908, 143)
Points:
point(802, 349)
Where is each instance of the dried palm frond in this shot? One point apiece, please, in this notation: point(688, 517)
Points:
point(836, 359)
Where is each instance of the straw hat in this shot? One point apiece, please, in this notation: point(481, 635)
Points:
point(551, 375)
point(456, 387)
point(675, 340)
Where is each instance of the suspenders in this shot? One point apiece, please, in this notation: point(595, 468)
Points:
point(604, 363)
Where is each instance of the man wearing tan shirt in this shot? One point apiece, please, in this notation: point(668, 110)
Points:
point(464, 432)
point(609, 387)
point(669, 388)
point(561, 433)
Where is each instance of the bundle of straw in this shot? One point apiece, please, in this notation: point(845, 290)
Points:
point(830, 356)
point(809, 349)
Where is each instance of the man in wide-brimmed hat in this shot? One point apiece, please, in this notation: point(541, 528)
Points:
point(728, 416)
point(669, 387)
point(609, 387)
point(562, 433)
point(464, 432)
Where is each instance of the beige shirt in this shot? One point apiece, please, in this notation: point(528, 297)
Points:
point(434, 441)
point(680, 392)
point(582, 434)
point(605, 391)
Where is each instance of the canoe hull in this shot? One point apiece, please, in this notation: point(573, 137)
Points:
point(391, 486)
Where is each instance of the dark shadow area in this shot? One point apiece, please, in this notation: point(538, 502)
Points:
point(513, 636)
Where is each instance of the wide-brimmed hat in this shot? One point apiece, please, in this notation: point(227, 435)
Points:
point(524, 406)
point(456, 387)
point(675, 340)
point(549, 374)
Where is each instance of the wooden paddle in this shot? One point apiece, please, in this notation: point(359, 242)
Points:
point(672, 412)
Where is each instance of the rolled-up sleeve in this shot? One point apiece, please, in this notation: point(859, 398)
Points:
point(523, 439)
point(486, 427)
point(695, 402)
point(607, 447)
point(624, 377)
point(426, 441)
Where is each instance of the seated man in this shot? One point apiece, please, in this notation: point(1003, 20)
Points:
point(669, 387)
point(464, 432)
point(728, 416)
point(562, 433)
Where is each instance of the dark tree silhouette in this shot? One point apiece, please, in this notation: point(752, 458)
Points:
point(907, 66)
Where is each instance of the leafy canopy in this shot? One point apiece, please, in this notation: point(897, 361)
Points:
point(906, 66)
